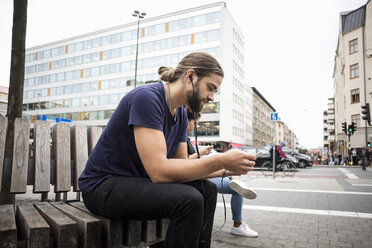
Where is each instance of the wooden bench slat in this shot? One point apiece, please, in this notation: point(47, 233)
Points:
point(3, 128)
point(8, 230)
point(148, 231)
point(89, 227)
point(62, 155)
point(79, 151)
point(18, 183)
point(42, 156)
point(132, 232)
point(32, 227)
point(64, 229)
point(93, 135)
point(162, 228)
point(112, 230)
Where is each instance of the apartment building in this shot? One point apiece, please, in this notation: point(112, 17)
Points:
point(329, 127)
point(83, 78)
point(353, 76)
point(263, 128)
point(283, 133)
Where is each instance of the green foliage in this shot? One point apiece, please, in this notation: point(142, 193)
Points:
point(302, 150)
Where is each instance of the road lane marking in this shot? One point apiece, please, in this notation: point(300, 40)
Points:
point(348, 174)
point(304, 211)
point(314, 191)
point(362, 184)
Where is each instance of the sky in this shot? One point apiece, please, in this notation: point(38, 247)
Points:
point(289, 45)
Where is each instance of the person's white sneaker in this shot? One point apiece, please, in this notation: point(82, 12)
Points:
point(244, 230)
point(242, 189)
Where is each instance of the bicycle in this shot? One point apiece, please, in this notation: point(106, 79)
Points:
point(285, 165)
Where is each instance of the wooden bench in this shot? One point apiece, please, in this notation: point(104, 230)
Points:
point(54, 220)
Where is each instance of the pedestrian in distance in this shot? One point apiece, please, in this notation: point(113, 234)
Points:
point(365, 154)
point(354, 156)
point(139, 167)
point(225, 185)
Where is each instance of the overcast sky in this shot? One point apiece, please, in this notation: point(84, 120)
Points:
point(289, 45)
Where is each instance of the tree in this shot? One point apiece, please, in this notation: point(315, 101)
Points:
point(302, 150)
point(15, 97)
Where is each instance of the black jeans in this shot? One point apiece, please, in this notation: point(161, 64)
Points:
point(189, 206)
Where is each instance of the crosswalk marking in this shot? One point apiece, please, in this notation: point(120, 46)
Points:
point(348, 174)
point(314, 191)
point(304, 211)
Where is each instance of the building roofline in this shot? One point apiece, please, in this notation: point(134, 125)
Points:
point(347, 12)
point(222, 3)
point(263, 98)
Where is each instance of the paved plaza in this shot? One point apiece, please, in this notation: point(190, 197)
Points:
point(319, 207)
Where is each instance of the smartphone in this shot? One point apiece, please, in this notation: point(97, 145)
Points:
point(258, 153)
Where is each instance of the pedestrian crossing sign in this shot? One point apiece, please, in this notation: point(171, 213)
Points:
point(274, 116)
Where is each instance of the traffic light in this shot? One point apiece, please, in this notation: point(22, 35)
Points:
point(344, 127)
point(366, 113)
point(352, 128)
point(368, 144)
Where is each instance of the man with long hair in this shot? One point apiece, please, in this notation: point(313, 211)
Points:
point(139, 167)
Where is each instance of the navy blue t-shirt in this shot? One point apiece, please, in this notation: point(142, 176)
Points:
point(115, 152)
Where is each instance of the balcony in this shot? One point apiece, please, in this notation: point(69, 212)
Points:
point(331, 138)
point(331, 128)
point(331, 106)
point(331, 117)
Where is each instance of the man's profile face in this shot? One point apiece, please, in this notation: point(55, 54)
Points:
point(204, 89)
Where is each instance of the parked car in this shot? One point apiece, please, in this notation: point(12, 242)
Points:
point(263, 157)
point(303, 160)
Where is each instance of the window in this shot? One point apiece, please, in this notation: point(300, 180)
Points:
point(353, 46)
point(209, 128)
point(213, 107)
point(107, 114)
point(355, 96)
point(354, 71)
point(356, 119)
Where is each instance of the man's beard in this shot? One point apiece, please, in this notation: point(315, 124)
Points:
point(194, 101)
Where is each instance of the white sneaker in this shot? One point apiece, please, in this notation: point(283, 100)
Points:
point(242, 189)
point(244, 230)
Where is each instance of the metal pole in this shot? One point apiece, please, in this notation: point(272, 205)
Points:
point(348, 150)
point(135, 70)
point(365, 81)
point(274, 149)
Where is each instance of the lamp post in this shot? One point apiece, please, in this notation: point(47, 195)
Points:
point(38, 105)
point(139, 16)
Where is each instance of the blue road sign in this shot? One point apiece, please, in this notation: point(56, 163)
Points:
point(53, 118)
point(274, 117)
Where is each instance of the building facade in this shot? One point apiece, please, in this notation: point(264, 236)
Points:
point(83, 78)
point(284, 134)
point(263, 128)
point(329, 128)
point(3, 100)
point(353, 76)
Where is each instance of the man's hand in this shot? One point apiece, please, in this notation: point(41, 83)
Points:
point(238, 161)
point(206, 150)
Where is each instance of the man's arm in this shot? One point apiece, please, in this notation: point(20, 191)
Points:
point(152, 150)
point(181, 151)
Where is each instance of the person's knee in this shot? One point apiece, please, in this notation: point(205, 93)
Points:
point(191, 201)
point(210, 188)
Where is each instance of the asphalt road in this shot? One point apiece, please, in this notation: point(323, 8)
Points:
point(317, 207)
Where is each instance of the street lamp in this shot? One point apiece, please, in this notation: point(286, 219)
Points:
point(138, 15)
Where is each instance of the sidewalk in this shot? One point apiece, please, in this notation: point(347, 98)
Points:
point(280, 229)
